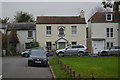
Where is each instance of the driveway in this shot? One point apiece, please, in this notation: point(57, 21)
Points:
point(16, 67)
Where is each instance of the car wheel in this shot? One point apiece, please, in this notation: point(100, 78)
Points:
point(25, 55)
point(104, 53)
point(29, 64)
point(80, 53)
point(61, 54)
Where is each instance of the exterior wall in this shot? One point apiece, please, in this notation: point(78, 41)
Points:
point(42, 38)
point(23, 37)
point(119, 34)
point(0, 43)
point(89, 38)
point(98, 30)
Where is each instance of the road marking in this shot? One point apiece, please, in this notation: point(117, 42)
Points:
point(0, 76)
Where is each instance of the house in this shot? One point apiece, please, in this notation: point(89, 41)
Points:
point(0, 43)
point(57, 32)
point(25, 32)
point(104, 30)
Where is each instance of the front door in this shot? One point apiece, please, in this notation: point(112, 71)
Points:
point(97, 46)
point(61, 45)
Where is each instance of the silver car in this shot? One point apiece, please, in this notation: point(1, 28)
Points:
point(79, 50)
point(115, 50)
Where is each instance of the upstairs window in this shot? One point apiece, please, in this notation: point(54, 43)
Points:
point(61, 31)
point(74, 30)
point(108, 17)
point(48, 30)
point(30, 34)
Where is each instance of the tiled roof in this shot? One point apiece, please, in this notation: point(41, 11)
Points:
point(100, 17)
point(19, 26)
point(60, 20)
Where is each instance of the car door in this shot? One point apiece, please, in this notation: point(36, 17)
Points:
point(68, 50)
point(75, 50)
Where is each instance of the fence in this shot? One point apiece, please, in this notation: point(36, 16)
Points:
point(68, 70)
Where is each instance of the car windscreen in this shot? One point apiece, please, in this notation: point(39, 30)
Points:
point(38, 53)
point(116, 47)
point(78, 46)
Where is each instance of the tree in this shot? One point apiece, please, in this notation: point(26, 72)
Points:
point(4, 20)
point(98, 9)
point(4, 41)
point(107, 3)
point(23, 17)
point(13, 41)
point(116, 6)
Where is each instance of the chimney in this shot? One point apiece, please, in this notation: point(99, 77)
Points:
point(82, 14)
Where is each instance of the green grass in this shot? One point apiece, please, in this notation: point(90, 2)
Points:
point(58, 71)
point(101, 67)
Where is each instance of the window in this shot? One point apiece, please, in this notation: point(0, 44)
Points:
point(109, 32)
point(27, 45)
point(48, 30)
point(74, 43)
point(48, 45)
point(61, 31)
point(108, 17)
point(109, 44)
point(74, 30)
point(30, 34)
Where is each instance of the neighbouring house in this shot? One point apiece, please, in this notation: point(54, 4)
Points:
point(0, 43)
point(103, 31)
point(26, 33)
point(57, 32)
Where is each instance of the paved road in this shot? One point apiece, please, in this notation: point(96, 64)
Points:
point(16, 67)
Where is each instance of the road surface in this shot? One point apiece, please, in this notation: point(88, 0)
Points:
point(16, 67)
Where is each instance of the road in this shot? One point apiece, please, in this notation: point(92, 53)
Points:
point(16, 67)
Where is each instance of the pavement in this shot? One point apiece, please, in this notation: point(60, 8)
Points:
point(16, 67)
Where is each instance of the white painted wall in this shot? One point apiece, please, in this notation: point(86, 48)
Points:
point(98, 30)
point(23, 37)
point(42, 38)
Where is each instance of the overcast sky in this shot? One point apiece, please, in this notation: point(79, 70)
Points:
point(52, 8)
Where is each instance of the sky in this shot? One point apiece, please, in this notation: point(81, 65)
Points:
point(47, 8)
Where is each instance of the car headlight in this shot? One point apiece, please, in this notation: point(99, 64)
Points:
point(45, 59)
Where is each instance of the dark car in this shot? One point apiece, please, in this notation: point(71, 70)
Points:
point(43, 48)
point(38, 57)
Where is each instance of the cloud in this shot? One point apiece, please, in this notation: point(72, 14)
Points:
point(51, 0)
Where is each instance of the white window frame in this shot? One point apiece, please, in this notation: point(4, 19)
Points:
point(109, 44)
point(48, 31)
point(49, 47)
point(110, 33)
point(111, 16)
point(74, 31)
point(31, 34)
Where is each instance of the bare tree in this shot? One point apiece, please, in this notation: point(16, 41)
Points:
point(98, 9)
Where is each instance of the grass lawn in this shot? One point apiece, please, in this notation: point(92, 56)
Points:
point(101, 67)
point(58, 71)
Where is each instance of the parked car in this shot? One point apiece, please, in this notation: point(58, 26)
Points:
point(115, 50)
point(25, 53)
point(79, 50)
point(43, 48)
point(37, 57)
